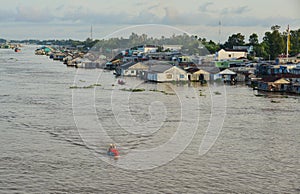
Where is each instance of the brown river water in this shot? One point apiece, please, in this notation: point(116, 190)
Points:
point(172, 138)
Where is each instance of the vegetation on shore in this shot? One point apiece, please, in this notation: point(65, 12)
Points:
point(84, 87)
point(133, 89)
point(273, 43)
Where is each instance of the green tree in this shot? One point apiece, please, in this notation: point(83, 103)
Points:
point(253, 39)
point(235, 40)
point(253, 42)
point(274, 42)
point(2, 40)
point(295, 42)
point(261, 50)
point(211, 46)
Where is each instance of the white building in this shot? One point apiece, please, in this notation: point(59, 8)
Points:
point(166, 73)
point(172, 47)
point(230, 54)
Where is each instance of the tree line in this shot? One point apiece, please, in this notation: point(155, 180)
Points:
point(272, 45)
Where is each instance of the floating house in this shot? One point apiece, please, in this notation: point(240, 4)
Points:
point(43, 51)
point(295, 88)
point(228, 75)
point(166, 73)
point(196, 74)
point(5, 46)
point(243, 73)
point(131, 69)
point(295, 70)
point(275, 85)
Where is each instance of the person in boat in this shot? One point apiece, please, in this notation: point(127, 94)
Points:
point(110, 147)
point(113, 151)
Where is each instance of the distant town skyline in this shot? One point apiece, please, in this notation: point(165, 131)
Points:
point(72, 19)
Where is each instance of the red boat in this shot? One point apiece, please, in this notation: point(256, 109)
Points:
point(121, 82)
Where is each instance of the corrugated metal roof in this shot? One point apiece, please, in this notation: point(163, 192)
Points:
point(227, 72)
point(160, 68)
point(210, 69)
point(127, 65)
point(282, 81)
point(201, 72)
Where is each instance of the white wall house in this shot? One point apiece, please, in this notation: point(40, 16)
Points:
point(200, 75)
point(150, 49)
point(134, 69)
point(166, 73)
point(172, 47)
point(230, 54)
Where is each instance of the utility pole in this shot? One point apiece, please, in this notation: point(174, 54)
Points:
point(287, 43)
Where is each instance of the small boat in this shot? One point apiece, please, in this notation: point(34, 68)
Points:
point(112, 151)
point(112, 154)
point(121, 82)
point(17, 50)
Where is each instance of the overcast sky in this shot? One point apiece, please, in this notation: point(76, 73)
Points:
point(61, 19)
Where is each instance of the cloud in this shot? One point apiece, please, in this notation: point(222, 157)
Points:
point(153, 7)
point(237, 10)
point(203, 7)
point(171, 17)
point(5, 16)
point(150, 14)
point(32, 14)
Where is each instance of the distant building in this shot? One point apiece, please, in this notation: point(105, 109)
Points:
point(230, 54)
point(172, 47)
point(284, 60)
point(150, 48)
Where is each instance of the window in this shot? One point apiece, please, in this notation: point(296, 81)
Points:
point(181, 76)
point(132, 72)
point(229, 55)
point(169, 76)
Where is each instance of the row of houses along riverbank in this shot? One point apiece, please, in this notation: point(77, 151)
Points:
point(277, 78)
point(168, 65)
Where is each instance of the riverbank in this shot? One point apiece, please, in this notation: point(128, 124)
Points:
point(166, 66)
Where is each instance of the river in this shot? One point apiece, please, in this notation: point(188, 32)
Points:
point(54, 138)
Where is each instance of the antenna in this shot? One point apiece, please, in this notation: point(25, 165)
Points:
point(91, 32)
point(219, 31)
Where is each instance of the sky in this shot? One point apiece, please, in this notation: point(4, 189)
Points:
point(215, 20)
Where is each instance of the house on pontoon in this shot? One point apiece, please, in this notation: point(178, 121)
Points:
point(228, 75)
point(163, 72)
point(274, 85)
point(132, 69)
point(195, 75)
